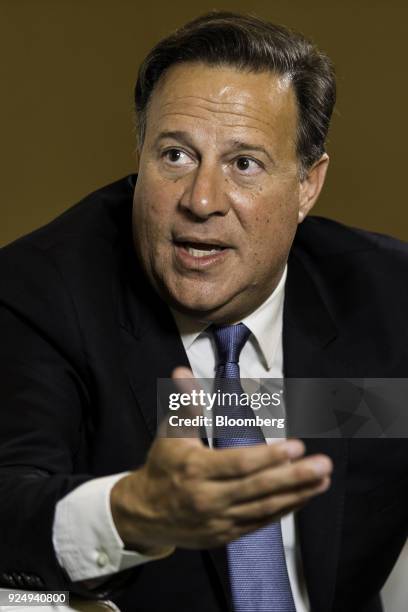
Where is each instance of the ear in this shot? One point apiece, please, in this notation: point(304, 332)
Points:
point(311, 186)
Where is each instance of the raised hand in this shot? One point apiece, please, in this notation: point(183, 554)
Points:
point(191, 496)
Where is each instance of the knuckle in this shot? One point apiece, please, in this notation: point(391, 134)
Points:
point(200, 502)
point(191, 467)
point(271, 506)
point(243, 463)
point(264, 482)
point(300, 472)
point(279, 452)
point(219, 528)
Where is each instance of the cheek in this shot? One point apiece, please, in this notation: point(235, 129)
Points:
point(274, 202)
point(152, 211)
point(270, 231)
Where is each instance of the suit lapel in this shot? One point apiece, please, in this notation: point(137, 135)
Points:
point(153, 348)
point(311, 350)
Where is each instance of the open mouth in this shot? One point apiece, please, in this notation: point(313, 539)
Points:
point(194, 254)
point(200, 249)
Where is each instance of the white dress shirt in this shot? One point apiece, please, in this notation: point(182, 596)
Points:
point(86, 541)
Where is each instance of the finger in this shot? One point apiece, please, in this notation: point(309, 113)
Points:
point(184, 377)
point(275, 505)
point(231, 529)
point(215, 496)
point(239, 462)
point(241, 529)
point(278, 479)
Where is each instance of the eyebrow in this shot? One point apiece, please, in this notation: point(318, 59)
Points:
point(240, 144)
point(234, 144)
point(176, 135)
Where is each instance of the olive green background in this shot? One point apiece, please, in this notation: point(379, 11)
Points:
point(67, 72)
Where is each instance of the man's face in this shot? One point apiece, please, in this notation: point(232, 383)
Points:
point(218, 195)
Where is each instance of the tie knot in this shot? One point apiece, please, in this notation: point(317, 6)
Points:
point(229, 340)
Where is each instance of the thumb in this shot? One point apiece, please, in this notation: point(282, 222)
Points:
point(184, 418)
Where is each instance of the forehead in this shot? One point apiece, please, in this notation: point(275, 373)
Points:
point(224, 97)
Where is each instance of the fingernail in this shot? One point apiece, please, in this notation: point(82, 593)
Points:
point(321, 467)
point(293, 449)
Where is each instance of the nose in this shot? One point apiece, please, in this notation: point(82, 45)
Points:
point(203, 195)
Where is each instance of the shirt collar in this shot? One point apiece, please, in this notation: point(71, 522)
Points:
point(263, 323)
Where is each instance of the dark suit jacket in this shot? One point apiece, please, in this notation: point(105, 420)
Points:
point(83, 340)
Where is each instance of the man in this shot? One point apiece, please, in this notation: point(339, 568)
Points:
point(233, 114)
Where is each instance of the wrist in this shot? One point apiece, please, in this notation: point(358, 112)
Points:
point(130, 520)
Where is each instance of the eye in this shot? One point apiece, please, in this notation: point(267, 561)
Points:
point(176, 157)
point(247, 165)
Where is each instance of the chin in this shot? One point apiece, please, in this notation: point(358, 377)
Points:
point(194, 305)
point(197, 307)
point(211, 311)
point(197, 299)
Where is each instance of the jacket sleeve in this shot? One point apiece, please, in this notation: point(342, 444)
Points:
point(43, 397)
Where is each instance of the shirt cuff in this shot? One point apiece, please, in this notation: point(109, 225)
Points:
point(85, 538)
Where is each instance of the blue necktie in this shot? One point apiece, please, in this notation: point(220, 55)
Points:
point(257, 566)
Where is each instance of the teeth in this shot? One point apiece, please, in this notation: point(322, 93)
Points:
point(202, 253)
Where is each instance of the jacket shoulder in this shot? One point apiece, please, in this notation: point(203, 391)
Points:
point(360, 275)
point(343, 252)
point(92, 226)
point(98, 215)
point(322, 237)
point(46, 274)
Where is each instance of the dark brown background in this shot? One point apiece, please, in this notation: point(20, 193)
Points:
point(67, 72)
